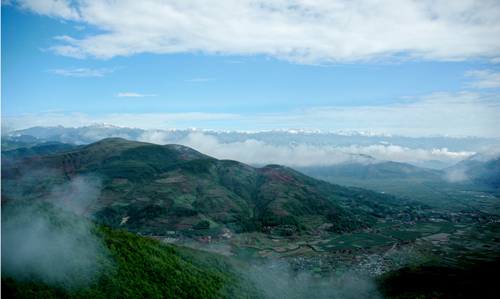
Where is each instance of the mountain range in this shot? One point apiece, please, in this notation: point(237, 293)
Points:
point(290, 137)
point(145, 187)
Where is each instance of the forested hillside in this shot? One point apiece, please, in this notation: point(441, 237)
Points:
point(119, 265)
point(153, 189)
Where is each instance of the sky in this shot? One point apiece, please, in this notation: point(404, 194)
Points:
point(412, 68)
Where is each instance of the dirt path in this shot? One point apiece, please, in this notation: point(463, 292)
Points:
point(383, 257)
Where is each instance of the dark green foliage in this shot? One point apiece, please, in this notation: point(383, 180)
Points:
point(183, 212)
point(13, 290)
point(203, 224)
point(139, 267)
point(440, 282)
point(149, 212)
point(133, 170)
point(109, 217)
point(274, 220)
point(287, 232)
point(197, 167)
point(246, 225)
point(344, 220)
point(37, 149)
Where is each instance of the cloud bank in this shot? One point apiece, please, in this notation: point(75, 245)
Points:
point(301, 31)
point(256, 152)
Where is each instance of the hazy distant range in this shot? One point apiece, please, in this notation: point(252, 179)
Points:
point(286, 147)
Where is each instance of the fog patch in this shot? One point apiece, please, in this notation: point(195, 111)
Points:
point(45, 244)
point(256, 152)
point(45, 241)
point(277, 282)
point(487, 153)
point(78, 194)
point(456, 174)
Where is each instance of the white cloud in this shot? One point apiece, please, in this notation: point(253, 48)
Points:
point(81, 72)
point(79, 27)
point(484, 79)
point(133, 94)
point(302, 31)
point(252, 151)
point(456, 174)
point(53, 8)
point(199, 80)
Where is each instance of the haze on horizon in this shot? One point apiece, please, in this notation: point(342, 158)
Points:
point(412, 68)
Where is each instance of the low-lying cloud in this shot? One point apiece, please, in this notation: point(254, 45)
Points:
point(256, 152)
point(47, 243)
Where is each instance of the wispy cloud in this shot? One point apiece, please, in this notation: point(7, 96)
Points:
point(484, 79)
point(82, 72)
point(52, 110)
point(200, 80)
point(312, 32)
point(52, 8)
point(79, 27)
point(134, 95)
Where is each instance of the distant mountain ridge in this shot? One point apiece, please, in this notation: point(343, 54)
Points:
point(284, 137)
point(379, 170)
point(482, 169)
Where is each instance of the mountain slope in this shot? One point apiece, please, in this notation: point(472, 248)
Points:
point(376, 170)
point(126, 265)
point(151, 188)
point(481, 169)
point(25, 149)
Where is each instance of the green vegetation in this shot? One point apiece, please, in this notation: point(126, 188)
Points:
point(136, 267)
point(10, 151)
point(317, 236)
point(158, 188)
point(204, 224)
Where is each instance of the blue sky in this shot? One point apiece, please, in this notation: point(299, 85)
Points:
point(396, 67)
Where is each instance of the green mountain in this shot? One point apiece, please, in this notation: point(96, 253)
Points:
point(480, 169)
point(12, 150)
point(154, 189)
point(376, 170)
point(50, 253)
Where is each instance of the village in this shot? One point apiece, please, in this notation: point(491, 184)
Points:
point(320, 257)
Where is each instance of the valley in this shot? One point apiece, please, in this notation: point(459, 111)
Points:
point(304, 232)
